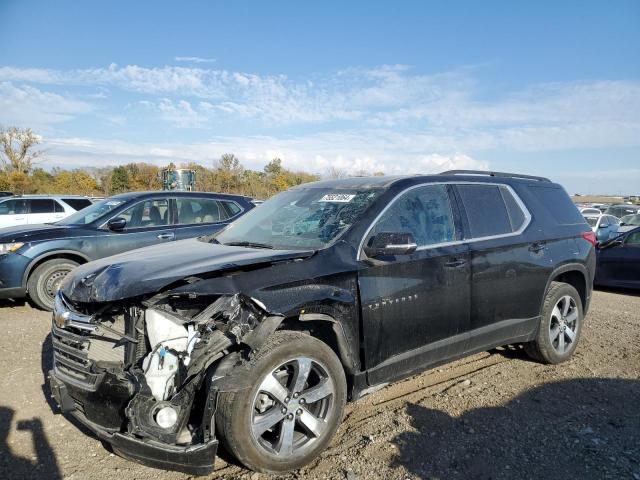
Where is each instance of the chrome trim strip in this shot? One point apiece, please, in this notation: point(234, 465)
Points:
point(63, 316)
point(519, 202)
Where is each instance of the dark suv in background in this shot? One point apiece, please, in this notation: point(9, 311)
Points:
point(35, 258)
point(256, 336)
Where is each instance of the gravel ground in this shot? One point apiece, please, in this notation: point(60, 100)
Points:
point(492, 415)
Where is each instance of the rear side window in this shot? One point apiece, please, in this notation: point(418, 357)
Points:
point(41, 205)
point(491, 210)
point(558, 205)
point(200, 210)
point(77, 203)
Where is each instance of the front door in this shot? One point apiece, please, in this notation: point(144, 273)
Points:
point(621, 264)
point(13, 212)
point(414, 305)
point(148, 222)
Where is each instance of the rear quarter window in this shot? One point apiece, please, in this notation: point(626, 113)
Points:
point(77, 203)
point(557, 205)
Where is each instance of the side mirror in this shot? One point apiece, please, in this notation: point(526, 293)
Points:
point(116, 224)
point(389, 243)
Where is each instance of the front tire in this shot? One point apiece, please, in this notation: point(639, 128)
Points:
point(45, 280)
point(291, 411)
point(560, 326)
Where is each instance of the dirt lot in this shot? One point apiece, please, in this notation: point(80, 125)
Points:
point(493, 415)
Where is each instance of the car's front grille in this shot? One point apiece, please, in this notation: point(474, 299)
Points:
point(76, 353)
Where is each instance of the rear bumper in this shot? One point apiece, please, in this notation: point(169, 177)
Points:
point(192, 459)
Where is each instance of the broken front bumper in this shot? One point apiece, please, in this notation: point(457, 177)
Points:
point(192, 459)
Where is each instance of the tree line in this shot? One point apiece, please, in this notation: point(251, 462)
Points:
point(21, 172)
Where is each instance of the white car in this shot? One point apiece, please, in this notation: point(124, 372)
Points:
point(592, 211)
point(33, 209)
point(604, 226)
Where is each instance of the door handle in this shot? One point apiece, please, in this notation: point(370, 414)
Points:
point(455, 263)
point(537, 247)
point(165, 236)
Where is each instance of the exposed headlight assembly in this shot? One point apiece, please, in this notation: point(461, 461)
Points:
point(10, 247)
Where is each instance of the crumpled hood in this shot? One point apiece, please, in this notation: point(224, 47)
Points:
point(148, 270)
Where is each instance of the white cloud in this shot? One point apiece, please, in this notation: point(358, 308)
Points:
point(351, 153)
point(25, 105)
point(194, 59)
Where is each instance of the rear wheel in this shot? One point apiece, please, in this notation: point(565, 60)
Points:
point(45, 280)
point(291, 411)
point(560, 326)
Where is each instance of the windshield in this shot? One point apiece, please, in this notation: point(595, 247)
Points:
point(592, 221)
point(631, 220)
point(91, 213)
point(303, 218)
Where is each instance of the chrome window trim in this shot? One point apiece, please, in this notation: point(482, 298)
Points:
point(519, 202)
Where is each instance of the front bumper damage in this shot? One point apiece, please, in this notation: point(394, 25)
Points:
point(145, 378)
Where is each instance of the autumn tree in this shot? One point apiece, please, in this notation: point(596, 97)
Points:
point(17, 153)
point(229, 171)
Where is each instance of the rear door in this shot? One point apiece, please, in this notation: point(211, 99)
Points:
point(202, 216)
point(508, 263)
point(44, 210)
point(148, 222)
point(13, 212)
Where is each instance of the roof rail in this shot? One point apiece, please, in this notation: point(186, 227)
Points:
point(494, 174)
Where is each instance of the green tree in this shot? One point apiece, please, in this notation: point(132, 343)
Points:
point(119, 180)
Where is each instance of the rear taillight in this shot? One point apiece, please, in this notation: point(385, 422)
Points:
point(590, 237)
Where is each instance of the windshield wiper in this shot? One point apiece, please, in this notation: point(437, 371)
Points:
point(249, 245)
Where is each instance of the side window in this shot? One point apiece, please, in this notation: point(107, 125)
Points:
point(232, 208)
point(491, 210)
point(150, 213)
point(557, 204)
point(425, 212)
point(200, 210)
point(77, 203)
point(41, 205)
point(633, 240)
point(57, 207)
point(14, 207)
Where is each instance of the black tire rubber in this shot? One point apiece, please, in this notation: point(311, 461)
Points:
point(38, 279)
point(233, 415)
point(540, 348)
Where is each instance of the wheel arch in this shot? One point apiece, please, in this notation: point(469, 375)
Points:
point(36, 262)
point(330, 331)
point(575, 275)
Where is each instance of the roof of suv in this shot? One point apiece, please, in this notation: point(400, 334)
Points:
point(385, 181)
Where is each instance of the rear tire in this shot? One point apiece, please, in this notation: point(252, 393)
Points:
point(560, 325)
point(45, 280)
point(271, 427)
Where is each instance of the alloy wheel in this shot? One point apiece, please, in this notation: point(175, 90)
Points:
point(292, 406)
point(564, 323)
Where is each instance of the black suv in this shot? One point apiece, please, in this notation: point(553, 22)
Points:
point(34, 259)
point(258, 335)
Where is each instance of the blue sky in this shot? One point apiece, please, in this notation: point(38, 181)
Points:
point(549, 88)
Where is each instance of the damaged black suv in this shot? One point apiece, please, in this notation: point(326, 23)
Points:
point(258, 335)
